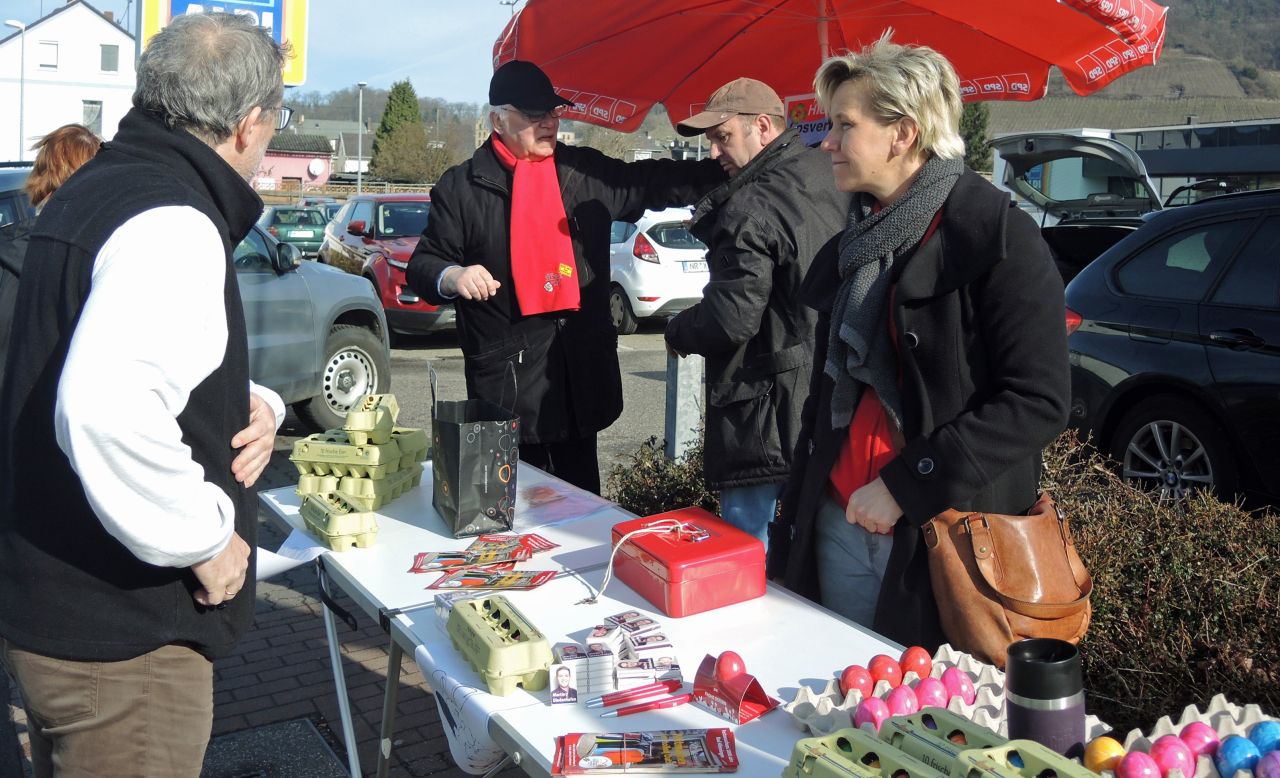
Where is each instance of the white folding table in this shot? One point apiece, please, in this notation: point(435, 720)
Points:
point(785, 640)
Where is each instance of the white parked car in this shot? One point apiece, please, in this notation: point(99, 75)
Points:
point(657, 267)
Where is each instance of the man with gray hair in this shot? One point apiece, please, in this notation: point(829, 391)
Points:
point(130, 434)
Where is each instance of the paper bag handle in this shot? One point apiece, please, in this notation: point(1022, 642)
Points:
point(515, 387)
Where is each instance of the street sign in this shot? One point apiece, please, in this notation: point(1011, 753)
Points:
point(287, 20)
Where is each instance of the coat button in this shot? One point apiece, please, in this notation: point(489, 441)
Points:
point(924, 466)
point(911, 339)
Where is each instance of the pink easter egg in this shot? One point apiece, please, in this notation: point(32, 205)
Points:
point(930, 693)
point(873, 711)
point(1200, 738)
point(902, 701)
point(1137, 765)
point(1268, 766)
point(959, 684)
point(1171, 753)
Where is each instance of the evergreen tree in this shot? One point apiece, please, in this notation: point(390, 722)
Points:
point(973, 129)
point(405, 156)
point(401, 110)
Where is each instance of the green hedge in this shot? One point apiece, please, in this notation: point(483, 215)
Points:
point(1186, 600)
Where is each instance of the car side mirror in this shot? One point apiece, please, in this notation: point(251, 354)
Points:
point(288, 257)
point(356, 228)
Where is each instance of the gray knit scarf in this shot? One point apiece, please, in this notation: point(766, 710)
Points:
point(859, 353)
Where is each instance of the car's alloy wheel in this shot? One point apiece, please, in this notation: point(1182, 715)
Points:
point(1171, 447)
point(624, 319)
point(356, 365)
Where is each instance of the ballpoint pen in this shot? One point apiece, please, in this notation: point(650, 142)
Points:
point(665, 702)
point(639, 692)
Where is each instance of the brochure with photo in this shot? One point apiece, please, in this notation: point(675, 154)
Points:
point(667, 751)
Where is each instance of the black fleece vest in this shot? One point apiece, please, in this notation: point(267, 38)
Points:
point(68, 589)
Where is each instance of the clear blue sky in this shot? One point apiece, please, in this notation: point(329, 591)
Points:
point(443, 46)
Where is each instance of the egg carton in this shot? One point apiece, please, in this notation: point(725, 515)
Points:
point(333, 453)
point(370, 495)
point(414, 444)
point(372, 419)
point(829, 710)
point(336, 523)
point(1224, 717)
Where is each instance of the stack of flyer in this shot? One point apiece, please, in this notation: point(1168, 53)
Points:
point(628, 650)
point(672, 751)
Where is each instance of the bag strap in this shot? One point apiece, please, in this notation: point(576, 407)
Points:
point(515, 388)
point(979, 530)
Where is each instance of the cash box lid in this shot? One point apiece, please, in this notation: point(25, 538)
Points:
point(704, 546)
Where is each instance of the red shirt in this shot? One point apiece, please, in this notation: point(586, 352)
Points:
point(869, 445)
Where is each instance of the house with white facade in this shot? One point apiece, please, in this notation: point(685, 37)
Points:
point(75, 64)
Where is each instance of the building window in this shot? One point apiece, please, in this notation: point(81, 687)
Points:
point(93, 116)
point(47, 55)
point(110, 58)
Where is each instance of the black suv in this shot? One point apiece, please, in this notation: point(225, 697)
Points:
point(1174, 337)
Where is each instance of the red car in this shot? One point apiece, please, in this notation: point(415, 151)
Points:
point(373, 236)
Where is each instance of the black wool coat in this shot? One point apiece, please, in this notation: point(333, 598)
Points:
point(981, 339)
point(566, 363)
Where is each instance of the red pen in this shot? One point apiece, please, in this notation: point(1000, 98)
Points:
point(639, 692)
point(665, 702)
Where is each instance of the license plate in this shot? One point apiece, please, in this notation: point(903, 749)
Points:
point(695, 267)
point(307, 234)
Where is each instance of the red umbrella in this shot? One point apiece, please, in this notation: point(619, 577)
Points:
point(616, 58)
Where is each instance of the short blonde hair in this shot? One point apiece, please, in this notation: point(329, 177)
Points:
point(902, 81)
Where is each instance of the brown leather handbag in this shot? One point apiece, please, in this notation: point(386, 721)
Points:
point(998, 579)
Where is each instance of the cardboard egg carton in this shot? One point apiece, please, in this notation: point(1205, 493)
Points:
point(500, 644)
point(370, 495)
point(827, 711)
point(413, 443)
point(337, 523)
point(372, 419)
point(333, 453)
point(1224, 717)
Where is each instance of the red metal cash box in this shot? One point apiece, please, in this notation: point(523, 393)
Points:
point(704, 565)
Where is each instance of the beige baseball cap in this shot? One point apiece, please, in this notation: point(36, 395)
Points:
point(740, 96)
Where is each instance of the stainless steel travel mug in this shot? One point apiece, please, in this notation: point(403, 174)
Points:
point(1044, 695)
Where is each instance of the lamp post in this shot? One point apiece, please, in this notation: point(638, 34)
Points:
point(360, 139)
point(22, 81)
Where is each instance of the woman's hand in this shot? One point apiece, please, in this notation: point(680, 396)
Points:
point(873, 508)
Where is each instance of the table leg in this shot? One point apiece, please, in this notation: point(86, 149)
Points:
point(506, 760)
point(339, 681)
point(389, 708)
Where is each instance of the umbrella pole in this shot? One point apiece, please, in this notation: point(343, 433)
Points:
point(824, 45)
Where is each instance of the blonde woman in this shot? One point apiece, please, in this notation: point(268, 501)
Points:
point(941, 365)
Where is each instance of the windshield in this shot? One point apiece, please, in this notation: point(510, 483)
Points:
point(306, 218)
point(402, 220)
point(674, 235)
point(1076, 186)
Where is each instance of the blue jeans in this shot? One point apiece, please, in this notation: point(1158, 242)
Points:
point(751, 508)
point(851, 564)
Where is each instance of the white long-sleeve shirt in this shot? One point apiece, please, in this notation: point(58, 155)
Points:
point(153, 328)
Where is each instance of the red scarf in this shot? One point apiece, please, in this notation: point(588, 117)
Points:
point(542, 264)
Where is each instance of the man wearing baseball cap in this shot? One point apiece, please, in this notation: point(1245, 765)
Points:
point(763, 228)
point(518, 241)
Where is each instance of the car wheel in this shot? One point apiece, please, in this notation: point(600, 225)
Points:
point(1171, 446)
point(624, 319)
point(355, 364)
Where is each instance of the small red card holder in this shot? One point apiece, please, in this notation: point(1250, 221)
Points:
point(738, 699)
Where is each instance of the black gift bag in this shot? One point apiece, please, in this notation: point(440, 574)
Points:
point(475, 447)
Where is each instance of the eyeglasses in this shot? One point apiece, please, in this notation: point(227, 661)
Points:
point(286, 113)
point(533, 117)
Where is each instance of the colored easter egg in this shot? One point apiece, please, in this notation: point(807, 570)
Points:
point(959, 684)
point(856, 677)
point(1200, 738)
point(729, 665)
point(916, 660)
point(1137, 765)
point(885, 668)
point(1266, 736)
point(902, 701)
point(1103, 753)
point(1268, 766)
point(1172, 754)
point(930, 693)
point(873, 711)
point(1236, 753)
